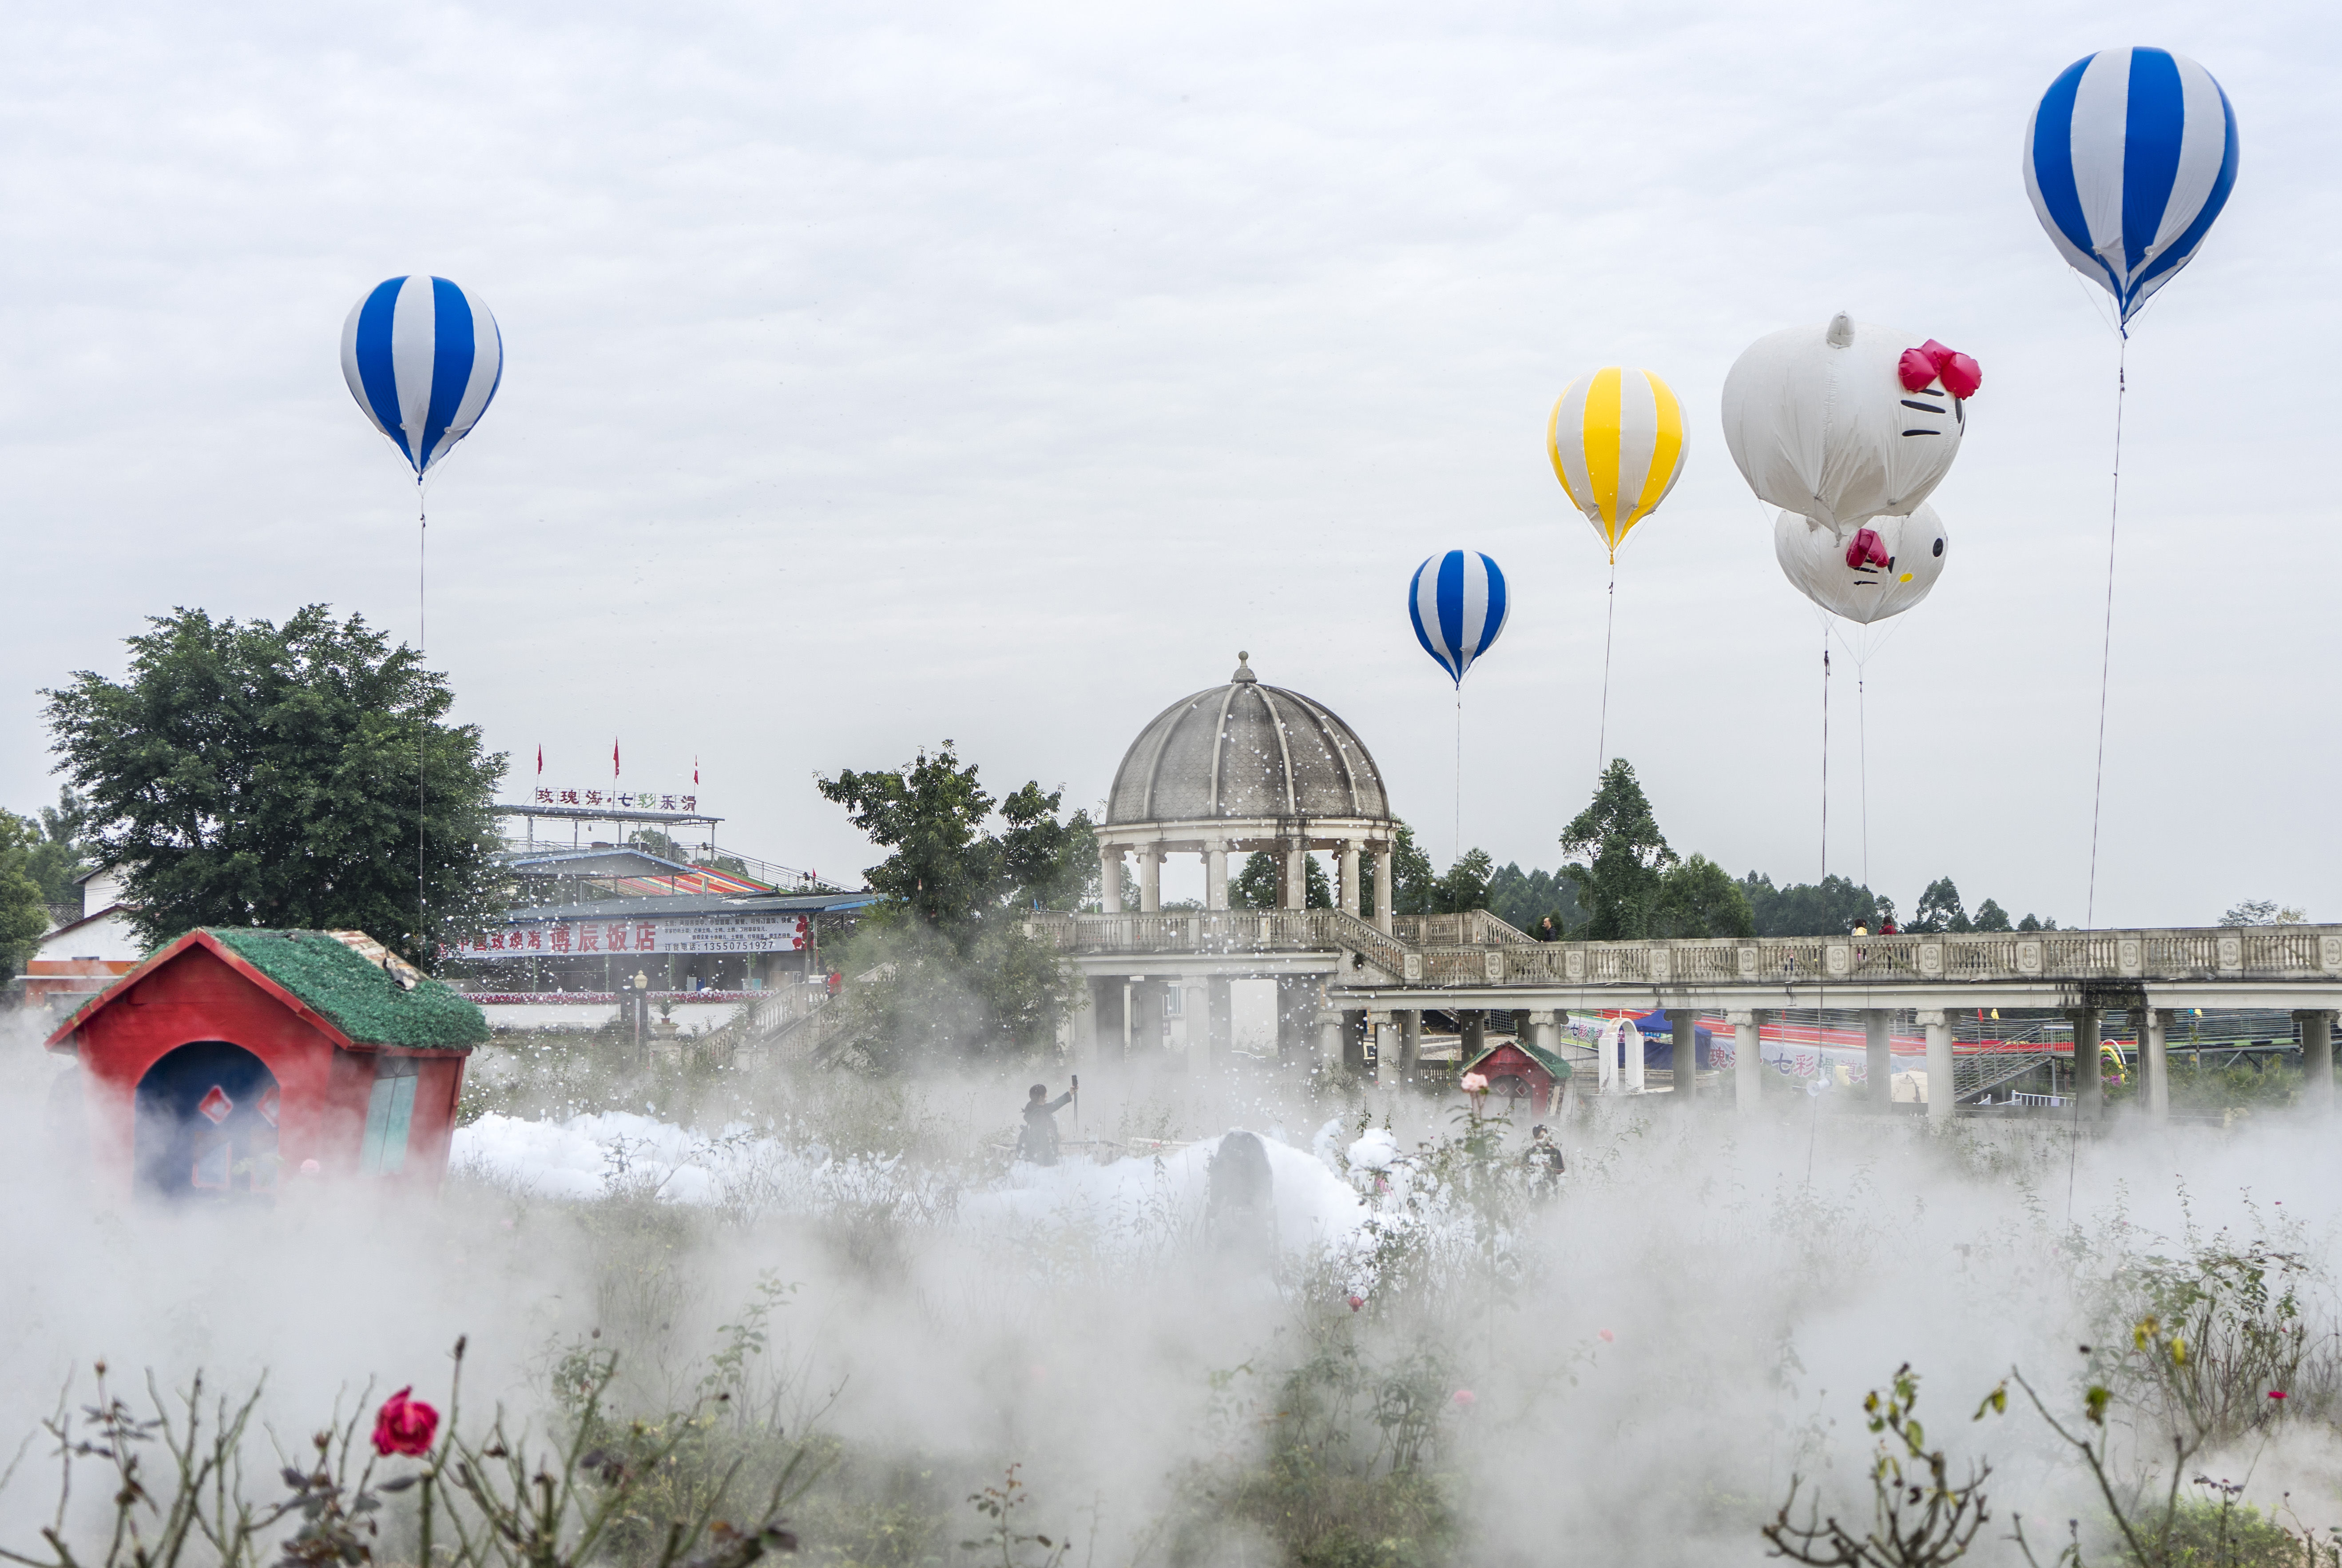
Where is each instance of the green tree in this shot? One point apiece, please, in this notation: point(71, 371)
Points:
point(1990, 916)
point(24, 912)
point(1465, 886)
point(1940, 908)
point(1414, 885)
point(246, 774)
point(946, 964)
point(1255, 885)
point(57, 858)
point(1523, 899)
point(1624, 855)
point(1831, 906)
point(1698, 897)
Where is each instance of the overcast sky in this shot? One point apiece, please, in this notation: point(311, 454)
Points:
point(879, 376)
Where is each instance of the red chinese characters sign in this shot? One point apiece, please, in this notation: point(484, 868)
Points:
point(746, 932)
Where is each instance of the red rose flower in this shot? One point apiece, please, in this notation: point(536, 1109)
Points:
point(1357, 1302)
point(404, 1426)
point(2276, 1394)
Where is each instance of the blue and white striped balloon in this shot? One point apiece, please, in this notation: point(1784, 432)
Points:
point(2130, 157)
point(424, 359)
point(1458, 605)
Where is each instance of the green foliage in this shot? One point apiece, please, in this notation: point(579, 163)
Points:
point(1831, 907)
point(1919, 1518)
point(1940, 908)
point(253, 774)
point(1002, 1540)
point(1415, 886)
point(1698, 897)
point(1465, 886)
point(947, 871)
point(1991, 916)
point(1523, 899)
point(1624, 853)
point(996, 991)
point(1255, 885)
point(24, 912)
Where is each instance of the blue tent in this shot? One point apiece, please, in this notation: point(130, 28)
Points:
point(1659, 1041)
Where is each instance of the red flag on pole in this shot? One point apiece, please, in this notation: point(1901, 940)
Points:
point(540, 759)
point(613, 758)
point(695, 770)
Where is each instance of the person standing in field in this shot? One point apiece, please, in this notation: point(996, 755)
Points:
point(1038, 1141)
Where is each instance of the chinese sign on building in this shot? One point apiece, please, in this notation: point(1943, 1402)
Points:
point(752, 933)
point(623, 800)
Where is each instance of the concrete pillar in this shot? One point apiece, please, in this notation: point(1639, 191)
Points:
point(2089, 1088)
point(1748, 1061)
point(1330, 1036)
point(1358, 1040)
point(1630, 1064)
point(1110, 879)
point(2316, 1060)
point(1410, 1042)
point(1879, 1056)
point(1215, 875)
point(1606, 1063)
point(1682, 1023)
point(1109, 997)
point(2156, 1061)
point(1473, 1024)
point(1297, 873)
point(1350, 890)
point(1386, 896)
point(1220, 1010)
point(1943, 1099)
point(1150, 879)
point(1545, 1031)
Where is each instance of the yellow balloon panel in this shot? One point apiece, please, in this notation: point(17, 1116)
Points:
point(1617, 445)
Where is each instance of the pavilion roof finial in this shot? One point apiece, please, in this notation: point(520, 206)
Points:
point(1244, 667)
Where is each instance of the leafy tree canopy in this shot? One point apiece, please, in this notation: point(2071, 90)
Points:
point(24, 912)
point(246, 774)
point(1698, 897)
point(1254, 886)
point(1623, 854)
point(1831, 906)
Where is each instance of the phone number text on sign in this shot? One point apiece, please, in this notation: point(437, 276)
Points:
point(593, 938)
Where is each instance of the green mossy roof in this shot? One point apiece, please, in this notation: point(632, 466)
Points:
point(1552, 1063)
point(361, 999)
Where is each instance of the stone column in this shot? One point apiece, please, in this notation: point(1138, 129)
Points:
point(1475, 1027)
point(2316, 1060)
point(1386, 896)
point(1630, 1066)
point(1150, 879)
point(1879, 1056)
point(1748, 1061)
point(1943, 1099)
point(1350, 876)
point(1385, 1058)
point(1410, 1042)
point(1357, 1038)
point(1297, 873)
point(1110, 879)
point(1605, 1062)
point(1684, 1054)
point(2089, 1088)
point(1330, 1036)
point(2156, 1062)
point(1220, 1009)
point(1215, 875)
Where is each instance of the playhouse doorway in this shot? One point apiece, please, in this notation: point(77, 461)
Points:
point(206, 1124)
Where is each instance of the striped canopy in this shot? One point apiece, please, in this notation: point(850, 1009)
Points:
point(1458, 605)
point(424, 359)
point(2130, 157)
point(1617, 441)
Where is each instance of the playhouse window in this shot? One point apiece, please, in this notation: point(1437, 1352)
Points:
point(389, 1112)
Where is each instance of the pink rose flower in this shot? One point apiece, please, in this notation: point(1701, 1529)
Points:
point(404, 1426)
point(1465, 1399)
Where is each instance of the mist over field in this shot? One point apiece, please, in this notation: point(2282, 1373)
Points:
point(1633, 1368)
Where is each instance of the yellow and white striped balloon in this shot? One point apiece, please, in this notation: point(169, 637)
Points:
point(1617, 441)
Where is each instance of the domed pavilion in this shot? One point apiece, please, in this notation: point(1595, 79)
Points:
point(1243, 767)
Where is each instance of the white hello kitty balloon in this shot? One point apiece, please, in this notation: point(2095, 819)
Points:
point(1845, 423)
point(1880, 569)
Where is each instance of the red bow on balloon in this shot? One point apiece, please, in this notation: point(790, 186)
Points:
point(1961, 375)
point(1867, 549)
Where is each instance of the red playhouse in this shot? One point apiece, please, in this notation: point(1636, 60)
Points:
point(235, 1059)
point(1520, 1071)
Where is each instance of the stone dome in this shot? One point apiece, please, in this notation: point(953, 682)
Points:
point(1245, 751)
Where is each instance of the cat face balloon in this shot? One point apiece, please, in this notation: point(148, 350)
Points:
point(1882, 569)
point(1826, 422)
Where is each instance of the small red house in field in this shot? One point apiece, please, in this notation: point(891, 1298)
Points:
point(223, 1065)
point(1521, 1071)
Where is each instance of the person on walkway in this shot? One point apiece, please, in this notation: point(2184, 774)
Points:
point(1543, 1157)
point(1038, 1141)
point(1546, 931)
point(1887, 927)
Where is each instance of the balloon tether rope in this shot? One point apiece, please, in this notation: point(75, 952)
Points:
point(1609, 619)
point(1826, 676)
point(1460, 770)
point(1862, 763)
point(422, 710)
point(2106, 639)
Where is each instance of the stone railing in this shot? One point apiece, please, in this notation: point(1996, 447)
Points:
point(1212, 930)
point(1478, 949)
